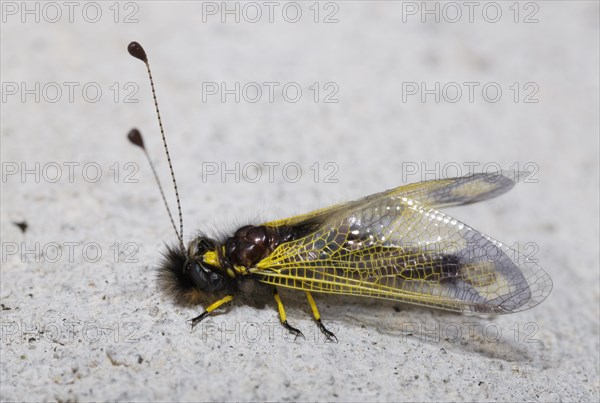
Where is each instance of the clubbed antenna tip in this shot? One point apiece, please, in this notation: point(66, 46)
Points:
point(136, 138)
point(136, 50)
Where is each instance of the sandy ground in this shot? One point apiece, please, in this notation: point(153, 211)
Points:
point(82, 315)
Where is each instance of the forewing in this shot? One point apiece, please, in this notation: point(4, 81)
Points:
point(436, 193)
point(460, 191)
point(393, 247)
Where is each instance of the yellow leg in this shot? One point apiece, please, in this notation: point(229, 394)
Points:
point(220, 302)
point(280, 308)
point(315, 311)
point(313, 306)
point(283, 316)
point(212, 307)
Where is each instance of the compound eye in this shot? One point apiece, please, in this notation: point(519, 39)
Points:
point(199, 276)
point(204, 279)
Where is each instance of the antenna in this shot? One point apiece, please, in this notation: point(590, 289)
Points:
point(136, 138)
point(136, 50)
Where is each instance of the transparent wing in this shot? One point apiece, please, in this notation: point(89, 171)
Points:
point(397, 248)
point(460, 191)
point(436, 193)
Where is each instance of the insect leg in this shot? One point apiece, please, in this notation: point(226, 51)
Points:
point(283, 317)
point(211, 308)
point(315, 311)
